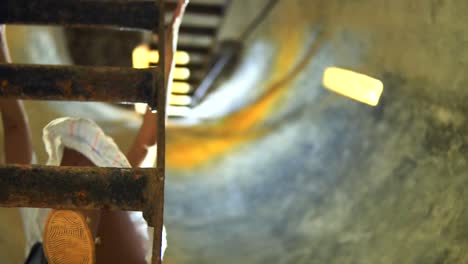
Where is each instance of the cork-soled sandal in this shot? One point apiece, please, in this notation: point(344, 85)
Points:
point(68, 239)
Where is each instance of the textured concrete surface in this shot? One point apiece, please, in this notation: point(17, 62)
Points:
point(283, 171)
point(331, 180)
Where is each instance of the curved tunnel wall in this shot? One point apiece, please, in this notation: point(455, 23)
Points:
point(301, 175)
point(284, 171)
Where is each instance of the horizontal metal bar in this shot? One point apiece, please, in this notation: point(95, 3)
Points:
point(203, 50)
point(140, 14)
point(77, 187)
point(194, 49)
point(108, 84)
point(197, 30)
point(196, 66)
point(198, 8)
point(194, 81)
point(193, 66)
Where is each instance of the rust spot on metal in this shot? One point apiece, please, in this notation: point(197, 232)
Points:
point(136, 176)
point(88, 88)
point(81, 195)
point(66, 85)
point(107, 84)
point(75, 187)
point(137, 14)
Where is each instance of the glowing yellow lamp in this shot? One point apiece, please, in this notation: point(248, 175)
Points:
point(140, 57)
point(354, 85)
point(153, 56)
point(182, 58)
point(180, 99)
point(181, 73)
point(180, 87)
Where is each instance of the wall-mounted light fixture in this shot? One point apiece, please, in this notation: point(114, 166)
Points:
point(354, 85)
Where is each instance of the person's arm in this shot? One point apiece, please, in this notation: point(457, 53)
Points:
point(145, 138)
point(121, 240)
point(147, 135)
point(17, 136)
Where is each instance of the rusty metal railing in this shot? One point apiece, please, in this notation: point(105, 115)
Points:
point(77, 187)
point(105, 84)
point(89, 187)
point(138, 14)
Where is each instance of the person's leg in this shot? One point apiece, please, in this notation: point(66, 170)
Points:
point(69, 235)
point(120, 238)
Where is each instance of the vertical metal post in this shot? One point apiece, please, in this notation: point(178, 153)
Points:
point(161, 82)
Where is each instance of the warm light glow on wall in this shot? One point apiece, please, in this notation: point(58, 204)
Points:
point(354, 85)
